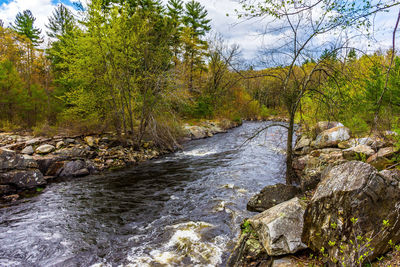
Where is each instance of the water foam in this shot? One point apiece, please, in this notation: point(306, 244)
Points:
point(185, 242)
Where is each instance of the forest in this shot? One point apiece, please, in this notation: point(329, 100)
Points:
point(141, 68)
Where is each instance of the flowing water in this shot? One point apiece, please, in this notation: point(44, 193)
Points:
point(183, 209)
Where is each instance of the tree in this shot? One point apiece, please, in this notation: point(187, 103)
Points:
point(23, 25)
point(197, 26)
point(300, 25)
point(61, 23)
point(175, 12)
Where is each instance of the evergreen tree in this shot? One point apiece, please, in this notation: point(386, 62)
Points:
point(23, 25)
point(175, 12)
point(61, 22)
point(197, 25)
point(196, 18)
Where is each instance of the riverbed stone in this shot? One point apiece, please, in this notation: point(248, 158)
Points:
point(353, 190)
point(90, 141)
point(10, 160)
point(60, 144)
point(272, 195)
point(279, 228)
point(74, 169)
point(23, 178)
point(28, 150)
point(196, 132)
point(45, 149)
point(332, 137)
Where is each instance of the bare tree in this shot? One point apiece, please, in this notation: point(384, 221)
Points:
point(300, 30)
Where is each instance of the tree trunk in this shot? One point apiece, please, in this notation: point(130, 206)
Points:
point(290, 174)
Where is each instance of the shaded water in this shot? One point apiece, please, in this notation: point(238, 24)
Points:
point(181, 210)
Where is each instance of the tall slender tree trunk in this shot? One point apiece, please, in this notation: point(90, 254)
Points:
point(290, 174)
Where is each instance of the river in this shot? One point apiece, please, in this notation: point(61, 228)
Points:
point(183, 209)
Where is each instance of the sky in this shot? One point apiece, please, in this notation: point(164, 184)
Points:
point(244, 33)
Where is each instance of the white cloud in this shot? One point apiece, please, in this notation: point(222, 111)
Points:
point(41, 9)
point(244, 33)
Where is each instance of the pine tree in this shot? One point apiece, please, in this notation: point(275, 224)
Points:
point(197, 26)
point(23, 25)
point(175, 12)
point(61, 22)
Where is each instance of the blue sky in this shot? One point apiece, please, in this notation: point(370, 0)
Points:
point(246, 34)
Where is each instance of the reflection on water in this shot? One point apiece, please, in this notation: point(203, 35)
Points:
point(181, 210)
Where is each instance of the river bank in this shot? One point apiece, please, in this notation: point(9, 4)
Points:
point(344, 211)
point(29, 163)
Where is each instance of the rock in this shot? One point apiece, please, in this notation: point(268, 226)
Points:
point(46, 164)
point(272, 195)
point(69, 141)
point(324, 125)
point(353, 190)
point(28, 150)
point(284, 262)
point(358, 152)
point(303, 142)
point(90, 141)
point(6, 190)
point(60, 144)
point(332, 137)
point(11, 198)
point(248, 251)
point(310, 167)
point(374, 142)
point(45, 149)
point(33, 141)
point(73, 152)
point(74, 169)
point(196, 132)
point(82, 172)
point(279, 229)
point(10, 160)
point(23, 178)
point(382, 156)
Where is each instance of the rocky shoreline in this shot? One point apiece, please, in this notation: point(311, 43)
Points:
point(344, 212)
point(29, 163)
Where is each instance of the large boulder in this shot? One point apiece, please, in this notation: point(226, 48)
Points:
point(310, 167)
point(75, 168)
point(23, 179)
point(10, 160)
point(332, 137)
point(279, 229)
point(352, 200)
point(45, 149)
point(272, 195)
point(321, 126)
point(196, 132)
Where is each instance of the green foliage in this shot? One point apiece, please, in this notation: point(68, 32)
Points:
point(23, 25)
point(61, 23)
